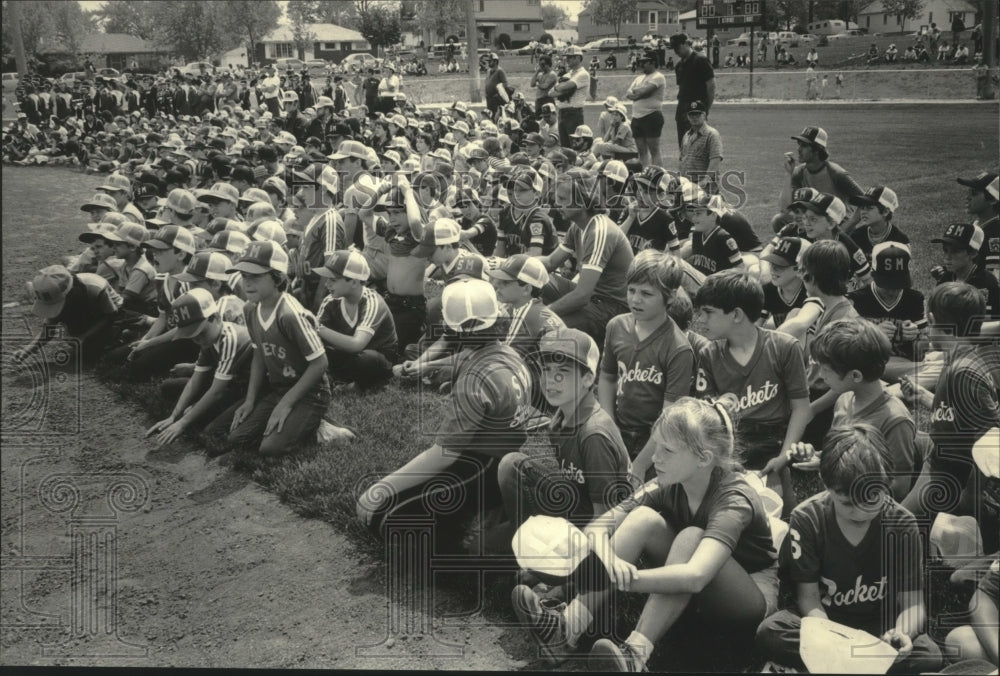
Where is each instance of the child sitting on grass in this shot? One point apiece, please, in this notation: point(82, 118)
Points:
point(855, 557)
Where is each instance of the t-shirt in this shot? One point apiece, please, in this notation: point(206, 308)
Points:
point(655, 231)
point(592, 459)
point(854, 579)
point(889, 416)
point(650, 372)
point(698, 148)
point(493, 80)
point(602, 246)
point(528, 324)
point(731, 512)
point(531, 228)
point(693, 75)
point(831, 178)
point(372, 316)
point(777, 307)
point(764, 386)
point(862, 237)
point(909, 306)
point(652, 103)
point(714, 251)
point(581, 78)
point(229, 356)
point(168, 290)
point(90, 299)
point(287, 339)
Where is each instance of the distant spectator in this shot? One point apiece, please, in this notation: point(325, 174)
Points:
point(957, 26)
point(923, 56)
point(910, 54)
point(812, 58)
point(891, 53)
point(942, 51)
point(961, 55)
point(873, 55)
point(977, 39)
point(730, 61)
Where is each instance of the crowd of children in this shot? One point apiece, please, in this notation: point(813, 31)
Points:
point(619, 311)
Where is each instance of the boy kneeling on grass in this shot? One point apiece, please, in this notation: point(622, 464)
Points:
point(855, 557)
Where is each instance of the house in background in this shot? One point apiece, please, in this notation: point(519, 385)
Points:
point(652, 16)
point(114, 50)
point(329, 42)
point(519, 20)
point(942, 12)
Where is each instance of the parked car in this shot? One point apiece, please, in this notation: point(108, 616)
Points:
point(605, 45)
point(109, 73)
point(807, 39)
point(361, 61)
point(10, 81)
point(197, 68)
point(289, 64)
point(69, 78)
point(743, 40)
point(317, 65)
point(853, 33)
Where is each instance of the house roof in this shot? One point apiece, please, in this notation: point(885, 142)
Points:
point(108, 43)
point(323, 32)
point(948, 5)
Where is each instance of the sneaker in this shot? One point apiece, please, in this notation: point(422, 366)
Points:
point(606, 655)
point(546, 627)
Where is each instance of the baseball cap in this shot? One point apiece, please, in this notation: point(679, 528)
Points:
point(979, 181)
point(443, 231)
point(677, 40)
point(101, 200)
point(253, 195)
point(350, 149)
point(477, 153)
point(261, 257)
point(787, 251)
point(713, 203)
point(528, 178)
point(825, 205)
point(965, 235)
point(461, 126)
point(472, 266)
point(535, 138)
point(441, 154)
point(173, 236)
point(49, 288)
point(879, 195)
point(229, 241)
point(391, 200)
point(615, 170)
point(181, 201)
point(129, 233)
point(205, 265)
point(345, 263)
point(610, 102)
point(466, 195)
point(656, 178)
point(802, 195)
point(98, 231)
point(582, 131)
point(696, 107)
point(619, 108)
point(220, 192)
point(146, 190)
point(290, 96)
point(270, 231)
point(522, 268)
point(189, 312)
point(573, 50)
point(547, 108)
point(891, 265)
point(116, 182)
point(324, 102)
point(814, 136)
point(571, 344)
point(469, 305)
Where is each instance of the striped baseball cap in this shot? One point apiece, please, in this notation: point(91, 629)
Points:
point(173, 236)
point(229, 241)
point(826, 205)
point(190, 310)
point(205, 265)
point(443, 231)
point(571, 344)
point(469, 305)
point(522, 268)
point(345, 263)
point(877, 196)
point(130, 233)
point(261, 257)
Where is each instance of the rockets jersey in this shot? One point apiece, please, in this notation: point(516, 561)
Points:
point(656, 231)
point(528, 324)
point(909, 306)
point(650, 372)
point(777, 307)
point(989, 254)
point(764, 386)
point(532, 228)
point(714, 251)
point(854, 581)
point(229, 356)
point(602, 246)
point(862, 237)
point(287, 339)
point(485, 241)
point(964, 408)
point(168, 290)
point(372, 316)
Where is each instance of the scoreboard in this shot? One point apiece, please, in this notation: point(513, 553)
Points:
point(723, 14)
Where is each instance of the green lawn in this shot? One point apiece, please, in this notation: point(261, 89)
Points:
point(916, 150)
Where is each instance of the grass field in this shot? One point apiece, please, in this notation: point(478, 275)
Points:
point(916, 150)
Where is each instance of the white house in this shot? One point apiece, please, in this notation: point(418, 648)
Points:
point(328, 41)
point(942, 12)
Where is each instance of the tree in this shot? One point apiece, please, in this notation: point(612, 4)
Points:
point(903, 9)
point(300, 14)
point(788, 13)
point(337, 12)
point(252, 19)
point(611, 12)
point(193, 29)
point(553, 16)
point(379, 23)
point(440, 18)
point(49, 24)
point(133, 17)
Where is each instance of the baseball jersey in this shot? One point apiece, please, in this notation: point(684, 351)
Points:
point(485, 239)
point(714, 251)
point(765, 385)
point(229, 356)
point(889, 416)
point(854, 580)
point(464, 265)
point(831, 179)
point(358, 195)
point(990, 251)
point(987, 284)
point(863, 238)
point(531, 228)
point(323, 235)
point(859, 260)
point(528, 324)
point(656, 231)
point(909, 306)
point(488, 404)
point(592, 459)
point(139, 279)
point(964, 408)
point(731, 512)
point(650, 373)
point(602, 246)
point(89, 300)
point(777, 307)
point(372, 316)
point(168, 290)
point(287, 339)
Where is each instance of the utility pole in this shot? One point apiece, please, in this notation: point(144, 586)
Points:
point(472, 45)
point(15, 22)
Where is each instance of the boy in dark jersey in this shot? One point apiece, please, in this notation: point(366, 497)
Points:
point(855, 556)
point(355, 324)
point(523, 225)
point(478, 228)
point(649, 225)
point(712, 248)
point(961, 244)
point(875, 209)
point(823, 214)
point(785, 291)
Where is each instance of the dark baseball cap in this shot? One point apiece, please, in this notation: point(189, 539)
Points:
point(965, 235)
point(980, 182)
point(787, 251)
point(891, 265)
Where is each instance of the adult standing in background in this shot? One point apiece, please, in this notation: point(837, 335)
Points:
point(270, 87)
point(570, 91)
point(497, 95)
point(695, 81)
point(542, 81)
point(646, 94)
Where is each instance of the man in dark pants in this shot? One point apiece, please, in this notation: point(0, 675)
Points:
point(570, 91)
point(695, 81)
point(497, 94)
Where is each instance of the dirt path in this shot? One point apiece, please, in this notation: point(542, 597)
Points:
point(209, 569)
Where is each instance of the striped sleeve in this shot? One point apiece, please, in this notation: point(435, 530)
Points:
point(321, 313)
point(569, 242)
point(330, 233)
point(735, 257)
point(305, 335)
point(227, 353)
point(369, 316)
point(595, 244)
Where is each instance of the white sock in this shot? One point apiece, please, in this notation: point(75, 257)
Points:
point(578, 618)
point(643, 646)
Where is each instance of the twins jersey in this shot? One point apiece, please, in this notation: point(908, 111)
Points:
point(863, 238)
point(532, 228)
point(854, 580)
point(765, 385)
point(777, 307)
point(733, 222)
point(909, 306)
point(602, 246)
point(168, 290)
point(714, 251)
point(656, 231)
point(372, 316)
point(228, 356)
point(650, 373)
point(287, 339)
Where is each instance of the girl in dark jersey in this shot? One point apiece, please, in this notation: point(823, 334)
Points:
point(701, 527)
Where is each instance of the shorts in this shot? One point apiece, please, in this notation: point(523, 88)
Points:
point(767, 582)
point(761, 442)
point(648, 126)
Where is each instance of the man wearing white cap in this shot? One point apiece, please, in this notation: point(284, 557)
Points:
point(270, 87)
point(388, 86)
